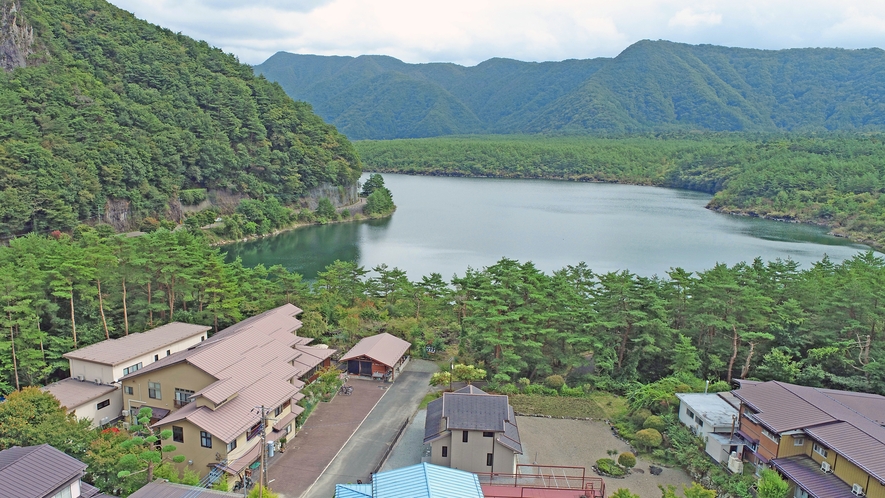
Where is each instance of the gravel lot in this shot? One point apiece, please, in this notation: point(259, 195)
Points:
point(579, 442)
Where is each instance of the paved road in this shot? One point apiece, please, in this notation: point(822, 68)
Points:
point(365, 449)
point(410, 447)
point(316, 444)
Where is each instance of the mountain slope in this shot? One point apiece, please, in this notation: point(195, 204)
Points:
point(650, 86)
point(106, 112)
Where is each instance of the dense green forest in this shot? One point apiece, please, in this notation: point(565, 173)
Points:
point(822, 326)
point(113, 114)
point(833, 180)
point(650, 86)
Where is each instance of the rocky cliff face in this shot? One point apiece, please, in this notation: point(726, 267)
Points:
point(17, 43)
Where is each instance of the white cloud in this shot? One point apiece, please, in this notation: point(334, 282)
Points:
point(688, 18)
point(470, 31)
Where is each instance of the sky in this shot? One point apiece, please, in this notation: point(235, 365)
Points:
point(468, 32)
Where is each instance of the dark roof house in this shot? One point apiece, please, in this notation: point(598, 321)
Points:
point(42, 472)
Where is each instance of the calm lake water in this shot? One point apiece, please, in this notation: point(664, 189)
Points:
point(445, 225)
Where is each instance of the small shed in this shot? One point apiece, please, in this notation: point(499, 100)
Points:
point(380, 356)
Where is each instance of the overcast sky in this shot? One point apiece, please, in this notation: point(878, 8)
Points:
point(471, 31)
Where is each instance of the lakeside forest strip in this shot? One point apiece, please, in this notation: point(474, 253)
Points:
point(769, 320)
point(833, 180)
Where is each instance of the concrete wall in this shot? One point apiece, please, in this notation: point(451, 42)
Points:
point(90, 408)
point(109, 374)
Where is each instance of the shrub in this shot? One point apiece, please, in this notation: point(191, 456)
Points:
point(627, 459)
point(573, 392)
point(648, 438)
point(719, 386)
point(639, 416)
point(609, 467)
point(554, 382)
point(524, 382)
point(655, 422)
point(624, 493)
point(508, 389)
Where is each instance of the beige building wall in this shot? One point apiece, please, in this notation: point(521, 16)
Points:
point(181, 375)
point(874, 489)
point(90, 371)
point(192, 449)
point(159, 353)
point(473, 455)
point(91, 411)
point(436, 447)
point(794, 445)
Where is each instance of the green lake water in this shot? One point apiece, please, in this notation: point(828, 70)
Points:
point(446, 225)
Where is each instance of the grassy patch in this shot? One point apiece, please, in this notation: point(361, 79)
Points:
point(430, 397)
point(556, 406)
point(613, 405)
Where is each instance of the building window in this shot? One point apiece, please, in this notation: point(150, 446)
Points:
point(253, 431)
point(156, 357)
point(231, 445)
point(820, 450)
point(154, 390)
point(103, 404)
point(205, 439)
point(490, 458)
point(182, 397)
point(700, 422)
point(488, 434)
point(202, 338)
point(464, 436)
point(65, 493)
point(689, 413)
point(278, 411)
point(445, 451)
point(177, 434)
point(128, 370)
point(168, 352)
point(798, 441)
point(769, 435)
point(128, 390)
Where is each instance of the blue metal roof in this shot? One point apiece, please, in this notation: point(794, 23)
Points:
point(353, 491)
point(425, 481)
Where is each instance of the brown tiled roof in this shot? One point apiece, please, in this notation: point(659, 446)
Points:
point(36, 471)
point(250, 361)
point(309, 357)
point(806, 471)
point(279, 323)
point(832, 417)
point(383, 348)
point(73, 393)
point(163, 489)
point(116, 351)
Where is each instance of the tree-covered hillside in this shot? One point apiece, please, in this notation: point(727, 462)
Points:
point(652, 85)
point(113, 113)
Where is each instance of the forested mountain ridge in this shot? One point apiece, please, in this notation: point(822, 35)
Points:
point(102, 111)
point(650, 86)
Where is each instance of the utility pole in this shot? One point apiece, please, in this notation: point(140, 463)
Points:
point(262, 469)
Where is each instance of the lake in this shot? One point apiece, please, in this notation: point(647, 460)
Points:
point(446, 225)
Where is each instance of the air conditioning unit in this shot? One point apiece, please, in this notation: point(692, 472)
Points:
point(825, 467)
point(81, 378)
point(105, 420)
point(126, 425)
point(124, 413)
point(98, 381)
point(857, 489)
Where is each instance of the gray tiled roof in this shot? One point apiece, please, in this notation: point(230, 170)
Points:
point(845, 422)
point(116, 351)
point(73, 393)
point(36, 471)
point(472, 409)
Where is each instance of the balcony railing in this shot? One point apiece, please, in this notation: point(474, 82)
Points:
point(181, 402)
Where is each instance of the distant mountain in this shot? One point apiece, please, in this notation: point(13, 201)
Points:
point(650, 86)
point(104, 113)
